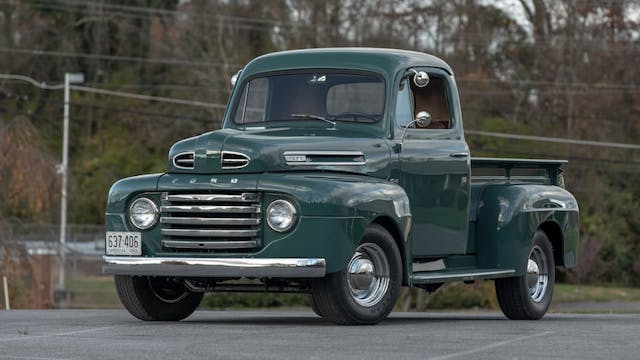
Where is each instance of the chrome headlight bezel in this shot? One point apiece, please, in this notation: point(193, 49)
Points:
point(152, 210)
point(285, 209)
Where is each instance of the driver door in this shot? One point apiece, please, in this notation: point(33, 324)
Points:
point(433, 167)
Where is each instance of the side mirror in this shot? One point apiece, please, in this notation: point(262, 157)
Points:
point(234, 78)
point(420, 78)
point(423, 119)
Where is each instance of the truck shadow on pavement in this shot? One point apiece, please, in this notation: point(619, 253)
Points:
point(289, 319)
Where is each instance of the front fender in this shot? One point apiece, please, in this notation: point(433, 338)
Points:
point(508, 216)
point(334, 210)
point(123, 190)
point(345, 195)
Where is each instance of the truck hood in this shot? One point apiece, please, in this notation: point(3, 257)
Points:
point(229, 151)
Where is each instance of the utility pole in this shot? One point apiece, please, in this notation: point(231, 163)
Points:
point(69, 78)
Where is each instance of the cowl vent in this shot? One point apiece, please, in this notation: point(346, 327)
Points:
point(184, 160)
point(234, 160)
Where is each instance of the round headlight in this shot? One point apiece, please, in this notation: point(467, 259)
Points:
point(281, 215)
point(143, 213)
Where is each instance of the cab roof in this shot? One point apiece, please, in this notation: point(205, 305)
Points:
point(384, 61)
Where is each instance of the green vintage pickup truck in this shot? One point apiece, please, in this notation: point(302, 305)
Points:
point(341, 173)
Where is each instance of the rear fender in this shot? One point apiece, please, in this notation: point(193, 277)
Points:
point(508, 216)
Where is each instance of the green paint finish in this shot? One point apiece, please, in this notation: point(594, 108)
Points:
point(266, 147)
point(417, 182)
point(313, 237)
point(388, 63)
point(123, 191)
point(510, 214)
point(335, 211)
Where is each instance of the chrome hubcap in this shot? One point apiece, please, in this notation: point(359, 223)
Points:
point(368, 275)
point(537, 274)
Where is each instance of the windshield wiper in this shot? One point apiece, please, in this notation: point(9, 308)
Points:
point(314, 117)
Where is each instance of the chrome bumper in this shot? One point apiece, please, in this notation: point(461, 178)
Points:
point(203, 267)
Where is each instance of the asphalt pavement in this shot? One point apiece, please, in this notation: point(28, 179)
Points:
point(114, 334)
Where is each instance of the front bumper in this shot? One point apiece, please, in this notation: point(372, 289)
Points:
point(203, 267)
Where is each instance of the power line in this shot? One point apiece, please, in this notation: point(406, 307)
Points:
point(554, 140)
point(223, 106)
point(147, 97)
point(244, 22)
point(550, 83)
point(41, 85)
point(128, 9)
point(588, 87)
point(555, 156)
point(38, 52)
point(141, 112)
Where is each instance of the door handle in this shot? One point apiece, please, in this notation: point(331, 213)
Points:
point(459, 155)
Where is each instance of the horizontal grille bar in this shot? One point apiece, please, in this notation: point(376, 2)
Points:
point(211, 209)
point(210, 233)
point(209, 244)
point(245, 197)
point(209, 221)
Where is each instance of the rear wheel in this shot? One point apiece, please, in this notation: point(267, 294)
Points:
point(528, 297)
point(156, 298)
point(366, 290)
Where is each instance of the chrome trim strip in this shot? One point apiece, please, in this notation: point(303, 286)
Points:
point(461, 276)
point(210, 209)
point(245, 197)
point(209, 244)
point(311, 163)
point(324, 153)
point(209, 233)
point(205, 267)
point(209, 221)
point(548, 210)
point(175, 163)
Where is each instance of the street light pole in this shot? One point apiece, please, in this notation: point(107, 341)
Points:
point(69, 78)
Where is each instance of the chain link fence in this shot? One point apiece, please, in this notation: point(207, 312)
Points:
point(41, 273)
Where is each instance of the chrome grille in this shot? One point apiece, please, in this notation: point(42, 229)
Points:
point(234, 160)
point(206, 221)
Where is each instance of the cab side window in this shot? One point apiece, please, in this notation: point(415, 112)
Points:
point(432, 99)
point(404, 105)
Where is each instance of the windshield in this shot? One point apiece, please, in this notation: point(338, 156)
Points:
point(311, 96)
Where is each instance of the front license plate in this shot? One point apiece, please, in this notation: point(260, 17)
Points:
point(123, 243)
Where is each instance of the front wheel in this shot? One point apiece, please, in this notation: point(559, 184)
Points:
point(156, 298)
point(528, 297)
point(365, 291)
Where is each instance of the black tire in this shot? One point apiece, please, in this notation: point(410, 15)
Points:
point(528, 297)
point(314, 306)
point(368, 296)
point(156, 298)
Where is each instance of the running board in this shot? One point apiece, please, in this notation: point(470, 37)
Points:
point(430, 277)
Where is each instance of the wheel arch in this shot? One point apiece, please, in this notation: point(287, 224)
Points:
point(394, 229)
point(511, 214)
point(554, 233)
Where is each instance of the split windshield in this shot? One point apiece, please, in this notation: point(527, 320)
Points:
point(311, 96)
